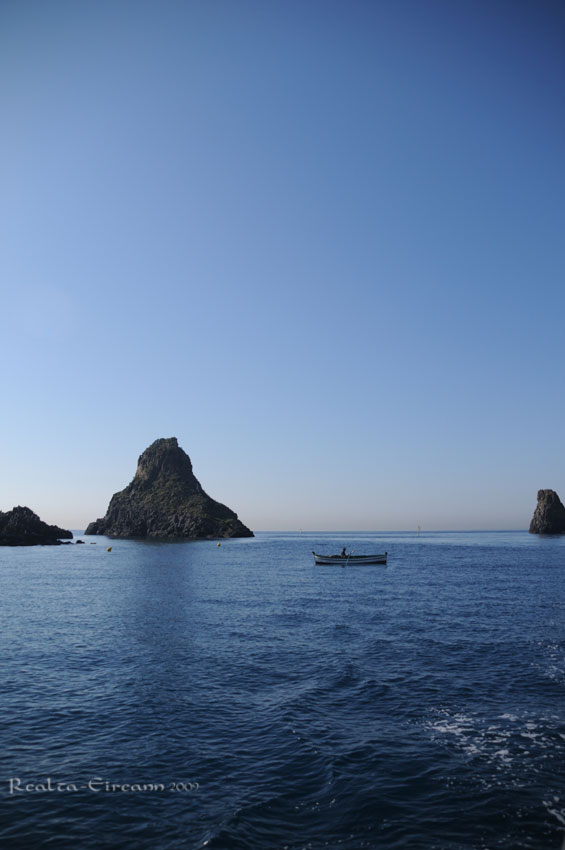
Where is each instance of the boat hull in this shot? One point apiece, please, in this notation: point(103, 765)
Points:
point(350, 561)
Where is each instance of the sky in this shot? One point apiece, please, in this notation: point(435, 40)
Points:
point(319, 242)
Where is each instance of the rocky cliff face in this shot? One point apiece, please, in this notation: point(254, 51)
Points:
point(165, 500)
point(21, 527)
point(549, 515)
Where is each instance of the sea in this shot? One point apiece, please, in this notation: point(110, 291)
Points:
point(235, 696)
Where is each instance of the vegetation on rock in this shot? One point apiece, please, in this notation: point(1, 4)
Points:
point(166, 500)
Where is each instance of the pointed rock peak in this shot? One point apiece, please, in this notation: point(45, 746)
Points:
point(163, 457)
point(549, 515)
point(163, 444)
point(166, 500)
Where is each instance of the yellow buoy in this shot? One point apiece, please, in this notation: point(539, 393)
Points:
point(219, 544)
point(109, 549)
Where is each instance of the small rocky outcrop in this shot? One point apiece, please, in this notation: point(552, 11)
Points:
point(166, 501)
point(22, 527)
point(549, 515)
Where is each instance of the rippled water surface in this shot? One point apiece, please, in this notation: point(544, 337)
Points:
point(419, 705)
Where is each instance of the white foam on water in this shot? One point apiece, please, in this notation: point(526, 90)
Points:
point(557, 813)
point(514, 747)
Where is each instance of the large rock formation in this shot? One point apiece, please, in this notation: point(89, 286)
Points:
point(21, 527)
point(549, 515)
point(165, 500)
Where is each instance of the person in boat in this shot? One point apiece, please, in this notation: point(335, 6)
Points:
point(343, 555)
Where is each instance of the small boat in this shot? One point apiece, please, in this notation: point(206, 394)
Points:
point(350, 560)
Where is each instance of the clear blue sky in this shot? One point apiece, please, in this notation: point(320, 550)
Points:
point(321, 243)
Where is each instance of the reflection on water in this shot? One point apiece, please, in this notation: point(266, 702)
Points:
point(418, 704)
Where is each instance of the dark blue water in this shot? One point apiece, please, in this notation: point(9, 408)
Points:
point(418, 705)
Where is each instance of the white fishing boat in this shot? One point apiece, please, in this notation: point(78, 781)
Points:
point(350, 560)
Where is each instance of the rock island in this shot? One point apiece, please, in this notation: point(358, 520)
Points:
point(22, 527)
point(549, 515)
point(166, 501)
